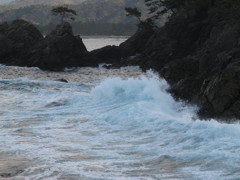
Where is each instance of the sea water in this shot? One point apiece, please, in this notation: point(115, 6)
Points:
point(107, 125)
point(96, 42)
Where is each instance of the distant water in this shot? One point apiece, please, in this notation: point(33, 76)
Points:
point(107, 125)
point(5, 1)
point(99, 42)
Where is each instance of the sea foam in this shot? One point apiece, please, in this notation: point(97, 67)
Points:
point(115, 128)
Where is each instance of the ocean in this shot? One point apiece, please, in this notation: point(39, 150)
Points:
point(107, 124)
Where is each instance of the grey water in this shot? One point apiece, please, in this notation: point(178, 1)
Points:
point(99, 41)
point(106, 125)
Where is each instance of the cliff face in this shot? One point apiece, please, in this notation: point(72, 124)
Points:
point(200, 59)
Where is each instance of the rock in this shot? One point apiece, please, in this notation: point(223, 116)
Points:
point(119, 55)
point(179, 69)
point(11, 174)
point(16, 39)
point(222, 38)
point(23, 45)
point(57, 50)
point(62, 30)
point(222, 93)
point(3, 28)
point(62, 80)
point(23, 33)
point(198, 58)
point(110, 54)
point(138, 42)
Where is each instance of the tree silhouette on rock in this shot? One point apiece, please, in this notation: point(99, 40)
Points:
point(147, 23)
point(64, 13)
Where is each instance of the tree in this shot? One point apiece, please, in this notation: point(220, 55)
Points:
point(64, 13)
point(157, 8)
point(133, 12)
point(160, 8)
point(147, 23)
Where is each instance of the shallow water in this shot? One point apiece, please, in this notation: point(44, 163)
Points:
point(106, 124)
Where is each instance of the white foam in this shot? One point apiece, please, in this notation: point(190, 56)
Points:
point(123, 128)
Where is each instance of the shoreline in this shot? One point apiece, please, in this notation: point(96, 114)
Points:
point(103, 37)
point(82, 74)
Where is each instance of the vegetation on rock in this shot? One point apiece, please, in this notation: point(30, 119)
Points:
point(64, 13)
point(106, 16)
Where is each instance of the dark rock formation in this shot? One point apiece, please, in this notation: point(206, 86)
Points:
point(120, 55)
point(23, 45)
point(14, 172)
point(16, 39)
point(62, 80)
point(200, 60)
point(59, 49)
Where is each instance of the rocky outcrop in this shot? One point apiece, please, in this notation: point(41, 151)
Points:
point(221, 89)
point(16, 39)
point(201, 62)
point(122, 55)
point(200, 59)
point(59, 49)
point(23, 45)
